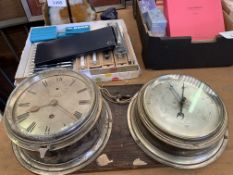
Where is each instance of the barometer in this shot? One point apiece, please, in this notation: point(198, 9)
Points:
point(179, 121)
point(57, 121)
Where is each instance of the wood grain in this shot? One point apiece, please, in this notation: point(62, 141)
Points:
point(98, 3)
point(35, 7)
point(121, 148)
point(11, 9)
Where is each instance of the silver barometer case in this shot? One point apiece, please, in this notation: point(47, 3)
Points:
point(179, 121)
point(57, 121)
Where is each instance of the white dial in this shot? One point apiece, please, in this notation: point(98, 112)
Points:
point(186, 108)
point(52, 105)
point(57, 121)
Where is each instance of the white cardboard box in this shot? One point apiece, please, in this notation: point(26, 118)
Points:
point(26, 64)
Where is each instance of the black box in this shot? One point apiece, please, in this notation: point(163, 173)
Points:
point(181, 52)
point(71, 47)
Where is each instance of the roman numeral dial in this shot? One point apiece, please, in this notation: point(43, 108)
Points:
point(31, 127)
point(84, 102)
point(82, 90)
point(53, 104)
point(24, 104)
point(47, 130)
point(77, 114)
point(22, 117)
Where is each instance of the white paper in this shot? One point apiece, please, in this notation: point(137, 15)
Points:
point(227, 35)
point(57, 3)
point(79, 1)
point(73, 2)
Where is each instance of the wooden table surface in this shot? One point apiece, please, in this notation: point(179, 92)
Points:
point(220, 79)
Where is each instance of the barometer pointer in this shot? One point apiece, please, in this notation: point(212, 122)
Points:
point(182, 101)
point(174, 92)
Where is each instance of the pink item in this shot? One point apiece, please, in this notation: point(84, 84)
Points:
point(200, 19)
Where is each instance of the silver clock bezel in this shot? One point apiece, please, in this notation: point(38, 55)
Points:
point(78, 162)
point(175, 161)
point(53, 141)
point(173, 138)
point(169, 148)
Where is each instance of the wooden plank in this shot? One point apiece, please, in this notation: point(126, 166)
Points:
point(98, 3)
point(121, 148)
point(11, 9)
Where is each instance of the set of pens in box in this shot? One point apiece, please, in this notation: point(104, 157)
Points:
point(101, 50)
point(104, 62)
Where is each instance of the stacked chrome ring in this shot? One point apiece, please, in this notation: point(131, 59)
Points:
point(71, 150)
point(171, 149)
point(74, 156)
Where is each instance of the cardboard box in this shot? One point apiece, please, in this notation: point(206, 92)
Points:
point(200, 19)
point(26, 65)
point(182, 52)
point(227, 5)
point(228, 21)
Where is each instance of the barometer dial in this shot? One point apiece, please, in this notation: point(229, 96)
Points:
point(183, 106)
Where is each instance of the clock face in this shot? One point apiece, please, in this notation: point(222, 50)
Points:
point(183, 107)
point(52, 105)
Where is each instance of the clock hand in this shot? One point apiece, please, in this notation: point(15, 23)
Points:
point(175, 93)
point(66, 111)
point(37, 108)
point(182, 101)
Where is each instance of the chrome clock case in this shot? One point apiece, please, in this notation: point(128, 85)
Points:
point(57, 121)
point(179, 121)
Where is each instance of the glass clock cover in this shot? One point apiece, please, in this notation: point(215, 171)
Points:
point(179, 121)
point(183, 106)
point(50, 106)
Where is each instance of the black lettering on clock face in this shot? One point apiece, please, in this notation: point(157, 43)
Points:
point(22, 117)
point(45, 84)
point(24, 104)
point(32, 92)
point(77, 114)
point(31, 127)
point(81, 90)
point(47, 130)
point(72, 83)
point(84, 102)
point(59, 79)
